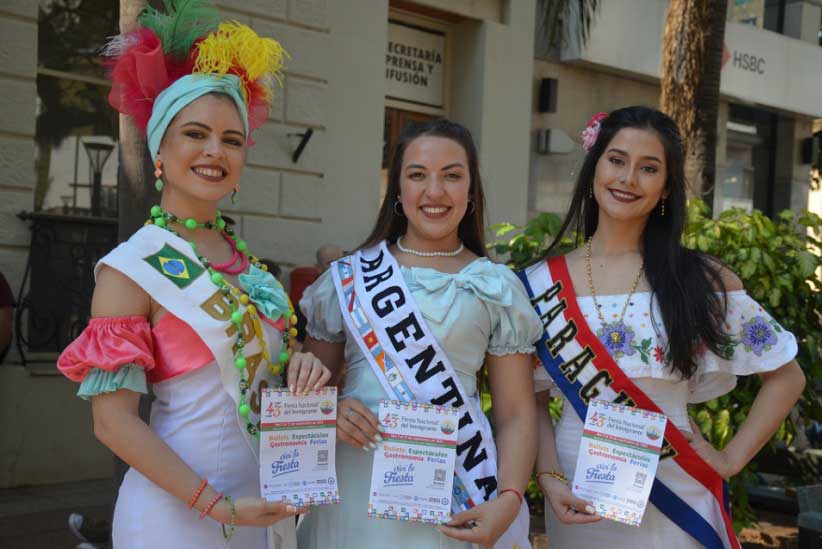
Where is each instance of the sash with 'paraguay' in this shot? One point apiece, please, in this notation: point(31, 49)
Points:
point(381, 314)
point(164, 265)
point(686, 489)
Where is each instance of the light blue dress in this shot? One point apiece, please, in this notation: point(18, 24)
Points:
point(481, 310)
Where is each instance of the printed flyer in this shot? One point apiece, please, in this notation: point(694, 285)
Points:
point(413, 471)
point(618, 457)
point(298, 435)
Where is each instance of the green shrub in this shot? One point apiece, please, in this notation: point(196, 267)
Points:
point(779, 264)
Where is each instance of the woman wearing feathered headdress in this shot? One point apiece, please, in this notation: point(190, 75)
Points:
point(183, 304)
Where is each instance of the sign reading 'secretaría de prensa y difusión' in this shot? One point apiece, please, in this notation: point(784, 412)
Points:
point(415, 64)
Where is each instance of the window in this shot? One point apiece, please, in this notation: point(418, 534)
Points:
point(76, 130)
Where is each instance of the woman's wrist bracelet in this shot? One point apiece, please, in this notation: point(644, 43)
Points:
point(513, 491)
point(207, 509)
point(227, 534)
point(197, 494)
point(555, 474)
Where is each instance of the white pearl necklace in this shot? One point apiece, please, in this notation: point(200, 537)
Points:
point(429, 254)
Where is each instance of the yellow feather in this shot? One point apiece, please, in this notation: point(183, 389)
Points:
point(237, 47)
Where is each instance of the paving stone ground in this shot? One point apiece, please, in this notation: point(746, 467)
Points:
point(37, 517)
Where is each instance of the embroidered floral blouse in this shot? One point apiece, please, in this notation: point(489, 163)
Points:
point(759, 343)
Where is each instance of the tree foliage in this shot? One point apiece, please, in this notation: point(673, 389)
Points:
point(560, 22)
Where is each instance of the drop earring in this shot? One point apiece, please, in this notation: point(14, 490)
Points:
point(662, 207)
point(158, 173)
point(234, 194)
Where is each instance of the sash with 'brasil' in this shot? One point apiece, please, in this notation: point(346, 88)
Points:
point(163, 265)
point(382, 316)
point(686, 489)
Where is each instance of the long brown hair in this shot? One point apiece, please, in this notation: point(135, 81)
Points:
point(390, 226)
point(684, 282)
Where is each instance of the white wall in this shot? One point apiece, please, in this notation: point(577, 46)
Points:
point(493, 69)
point(627, 36)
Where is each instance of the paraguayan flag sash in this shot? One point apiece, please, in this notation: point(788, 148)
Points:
point(383, 318)
point(165, 266)
point(686, 489)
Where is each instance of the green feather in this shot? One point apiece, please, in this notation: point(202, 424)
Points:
point(181, 24)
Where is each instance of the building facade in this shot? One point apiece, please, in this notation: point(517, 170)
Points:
point(771, 77)
point(358, 70)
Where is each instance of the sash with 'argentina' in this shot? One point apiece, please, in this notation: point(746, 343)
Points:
point(381, 314)
point(164, 265)
point(686, 489)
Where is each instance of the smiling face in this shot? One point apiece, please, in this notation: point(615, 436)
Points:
point(630, 176)
point(203, 150)
point(434, 187)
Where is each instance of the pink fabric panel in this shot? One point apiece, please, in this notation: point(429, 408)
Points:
point(108, 343)
point(177, 349)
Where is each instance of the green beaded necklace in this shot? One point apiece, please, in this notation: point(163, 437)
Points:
point(162, 219)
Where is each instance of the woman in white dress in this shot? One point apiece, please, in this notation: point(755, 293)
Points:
point(676, 322)
point(184, 306)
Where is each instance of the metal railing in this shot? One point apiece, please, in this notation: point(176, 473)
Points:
point(54, 300)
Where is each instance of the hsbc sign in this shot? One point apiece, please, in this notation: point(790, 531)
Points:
point(745, 61)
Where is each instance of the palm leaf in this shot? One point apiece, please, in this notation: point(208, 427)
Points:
point(558, 21)
point(181, 24)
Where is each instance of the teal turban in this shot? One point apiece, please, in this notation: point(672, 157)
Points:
point(182, 92)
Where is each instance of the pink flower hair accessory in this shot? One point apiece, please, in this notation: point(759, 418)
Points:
point(591, 131)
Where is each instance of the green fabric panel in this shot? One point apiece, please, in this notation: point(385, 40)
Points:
point(130, 376)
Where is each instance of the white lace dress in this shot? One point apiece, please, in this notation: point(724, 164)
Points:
point(760, 345)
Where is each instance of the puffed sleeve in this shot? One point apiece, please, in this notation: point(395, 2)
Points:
point(112, 353)
point(324, 321)
point(759, 344)
point(516, 327)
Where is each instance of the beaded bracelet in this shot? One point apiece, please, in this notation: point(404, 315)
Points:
point(197, 494)
point(512, 490)
point(233, 524)
point(556, 474)
point(211, 504)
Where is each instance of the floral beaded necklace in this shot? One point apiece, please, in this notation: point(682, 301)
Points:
point(615, 336)
point(162, 219)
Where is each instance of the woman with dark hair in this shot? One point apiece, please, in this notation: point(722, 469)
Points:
point(632, 316)
point(424, 264)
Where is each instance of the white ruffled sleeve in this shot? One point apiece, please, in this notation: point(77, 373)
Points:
point(759, 344)
point(324, 321)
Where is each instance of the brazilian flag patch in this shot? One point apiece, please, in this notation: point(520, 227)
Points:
point(175, 266)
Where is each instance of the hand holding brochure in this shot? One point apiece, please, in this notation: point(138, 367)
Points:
point(298, 436)
point(413, 471)
point(618, 457)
